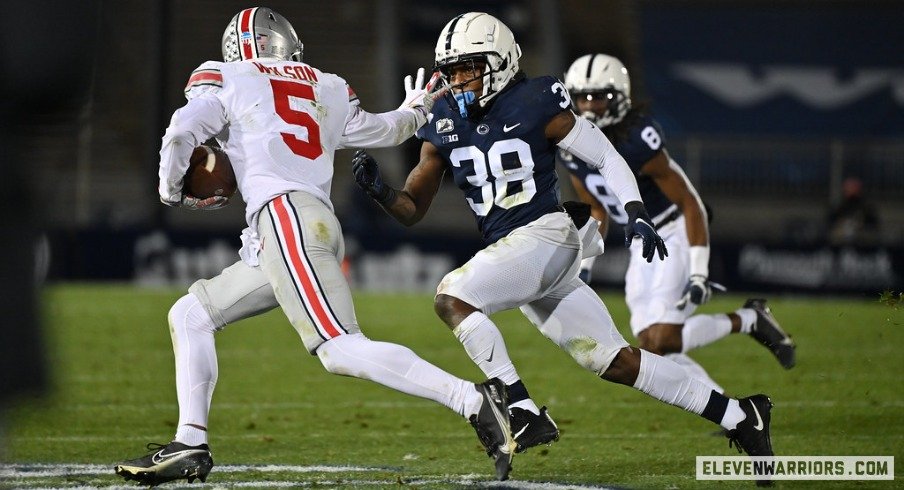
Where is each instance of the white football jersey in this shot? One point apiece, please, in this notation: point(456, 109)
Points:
point(280, 122)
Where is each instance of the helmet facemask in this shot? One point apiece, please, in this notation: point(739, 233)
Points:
point(476, 37)
point(617, 105)
point(260, 33)
point(466, 101)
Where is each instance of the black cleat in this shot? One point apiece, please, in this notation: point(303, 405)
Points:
point(768, 332)
point(173, 461)
point(752, 434)
point(532, 430)
point(492, 426)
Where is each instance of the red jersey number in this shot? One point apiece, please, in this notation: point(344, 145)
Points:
point(282, 90)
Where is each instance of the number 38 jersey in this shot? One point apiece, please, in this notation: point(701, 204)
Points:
point(280, 122)
point(503, 162)
point(643, 141)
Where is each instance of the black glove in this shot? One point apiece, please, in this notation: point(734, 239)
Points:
point(367, 176)
point(640, 224)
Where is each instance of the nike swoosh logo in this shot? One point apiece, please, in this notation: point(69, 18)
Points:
point(160, 457)
point(507, 128)
point(759, 420)
point(522, 430)
point(492, 352)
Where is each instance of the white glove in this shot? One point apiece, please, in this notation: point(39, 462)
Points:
point(197, 204)
point(207, 204)
point(419, 97)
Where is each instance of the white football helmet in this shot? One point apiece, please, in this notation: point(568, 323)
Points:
point(480, 37)
point(600, 75)
point(260, 32)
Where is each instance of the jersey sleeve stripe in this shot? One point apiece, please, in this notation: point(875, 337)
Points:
point(204, 77)
point(352, 96)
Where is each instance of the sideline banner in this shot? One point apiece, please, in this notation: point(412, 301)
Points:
point(734, 67)
point(417, 262)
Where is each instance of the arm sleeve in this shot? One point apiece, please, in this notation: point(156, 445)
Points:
point(367, 130)
point(588, 143)
point(193, 124)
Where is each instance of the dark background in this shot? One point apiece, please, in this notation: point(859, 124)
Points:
point(768, 105)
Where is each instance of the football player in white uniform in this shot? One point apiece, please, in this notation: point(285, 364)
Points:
point(280, 121)
point(662, 297)
point(498, 136)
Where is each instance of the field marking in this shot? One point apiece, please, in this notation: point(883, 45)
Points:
point(429, 405)
point(50, 470)
point(21, 473)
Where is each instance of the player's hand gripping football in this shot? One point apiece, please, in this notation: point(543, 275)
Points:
point(419, 97)
point(699, 290)
point(197, 204)
point(640, 225)
point(368, 177)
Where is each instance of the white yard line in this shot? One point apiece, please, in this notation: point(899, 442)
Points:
point(20, 474)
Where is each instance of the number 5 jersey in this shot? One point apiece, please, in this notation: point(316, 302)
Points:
point(280, 122)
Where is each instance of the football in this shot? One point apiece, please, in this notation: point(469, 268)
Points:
point(209, 173)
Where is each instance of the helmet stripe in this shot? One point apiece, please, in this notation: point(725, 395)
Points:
point(590, 66)
point(451, 30)
point(247, 45)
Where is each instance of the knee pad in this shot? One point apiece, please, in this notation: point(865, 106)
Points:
point(188, 313)
point(581, 325)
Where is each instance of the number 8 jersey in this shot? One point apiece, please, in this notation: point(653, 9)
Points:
point(280, 122)
point(503, 162)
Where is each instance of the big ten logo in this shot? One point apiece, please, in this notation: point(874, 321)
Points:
point(159, 263)
point(406, 269)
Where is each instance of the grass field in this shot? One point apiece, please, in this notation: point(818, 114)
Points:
point(279, 419)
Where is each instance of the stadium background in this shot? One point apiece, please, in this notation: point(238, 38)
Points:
point(768, 105)
point(815, 94)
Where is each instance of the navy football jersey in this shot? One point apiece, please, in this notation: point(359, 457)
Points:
point(503, 162)
point(644, 140)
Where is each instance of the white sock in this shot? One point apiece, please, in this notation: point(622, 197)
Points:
point(484, 345)
point(748, 319)
point(190, 436)
point(527, 404)
point(695, 370)
point(666, 381)
point(733, 414)
point(192, 332)
point(700, 330)
point(399, 368)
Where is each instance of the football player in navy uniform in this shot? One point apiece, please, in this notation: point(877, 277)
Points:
point(662, 297)
point(498, 135)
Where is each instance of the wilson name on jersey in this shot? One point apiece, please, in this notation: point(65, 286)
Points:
point(282, 122)
point(643, 142)
point(503, 162)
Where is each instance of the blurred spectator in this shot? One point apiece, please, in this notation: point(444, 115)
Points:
point(854, 221)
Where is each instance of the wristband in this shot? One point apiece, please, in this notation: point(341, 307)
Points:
point(699, 261)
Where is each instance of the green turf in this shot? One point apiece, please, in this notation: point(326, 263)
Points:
point(113, 392)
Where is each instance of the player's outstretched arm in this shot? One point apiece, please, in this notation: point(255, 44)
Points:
point(410, 204)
